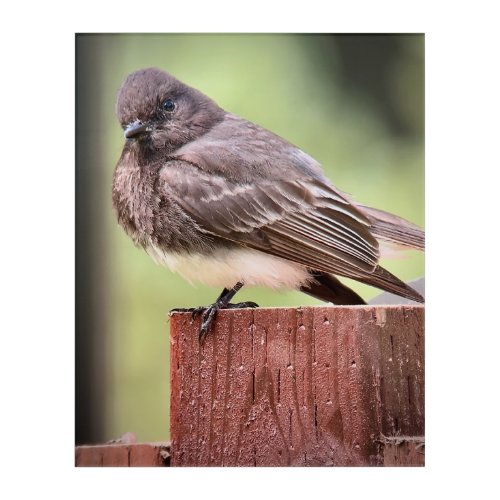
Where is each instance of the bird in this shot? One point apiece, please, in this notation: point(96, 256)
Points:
point(226, 202)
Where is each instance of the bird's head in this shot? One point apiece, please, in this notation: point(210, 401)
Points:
point(157, 111)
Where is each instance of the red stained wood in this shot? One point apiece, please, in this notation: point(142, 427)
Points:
point(295, 387)
point(404, 451)
point(123, 455)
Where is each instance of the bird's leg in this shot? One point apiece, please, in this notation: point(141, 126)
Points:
point(221, 303)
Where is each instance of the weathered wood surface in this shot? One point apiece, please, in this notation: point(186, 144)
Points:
point(404, 451)
point(123, 455)
point(309, 386)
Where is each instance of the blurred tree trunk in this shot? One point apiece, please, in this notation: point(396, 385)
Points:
point(91, 282)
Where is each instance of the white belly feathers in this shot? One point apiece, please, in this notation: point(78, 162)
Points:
point(226, 267)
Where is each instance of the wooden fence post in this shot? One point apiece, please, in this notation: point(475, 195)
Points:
point(123, 455)
point(338, 386)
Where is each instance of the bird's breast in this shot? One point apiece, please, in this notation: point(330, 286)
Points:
point(131, 199)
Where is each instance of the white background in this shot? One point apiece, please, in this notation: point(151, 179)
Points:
point(37, 222)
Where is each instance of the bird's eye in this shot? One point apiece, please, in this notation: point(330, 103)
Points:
point(168, 105)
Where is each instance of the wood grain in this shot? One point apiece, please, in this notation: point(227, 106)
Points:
point(295, 387)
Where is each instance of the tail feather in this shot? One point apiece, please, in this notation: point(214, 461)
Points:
point(382, 278)
point(325, 286)
point(393, 228)
point(386, 227)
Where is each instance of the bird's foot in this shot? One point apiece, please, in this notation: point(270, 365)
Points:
point(210, 312)
point(241, 305)
point(195, 311)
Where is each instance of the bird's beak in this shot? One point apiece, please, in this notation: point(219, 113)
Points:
point(136, 128)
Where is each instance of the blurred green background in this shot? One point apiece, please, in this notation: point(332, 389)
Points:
point(353, 102)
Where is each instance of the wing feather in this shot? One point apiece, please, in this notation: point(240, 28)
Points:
point(300, 220)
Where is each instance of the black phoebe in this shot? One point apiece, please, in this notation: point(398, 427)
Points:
point(228, 203)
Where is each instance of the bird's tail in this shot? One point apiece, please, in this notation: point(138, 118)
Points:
point(325, 286)
point(390, 229)
point(394, 229)
point(382, 278)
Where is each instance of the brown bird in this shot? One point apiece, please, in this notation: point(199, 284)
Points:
point(223, 201)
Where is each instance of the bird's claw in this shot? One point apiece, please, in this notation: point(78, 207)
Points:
point(181, 309)
point(207, 321)
point(195, 311)
point(210, 312)
point(242, 305)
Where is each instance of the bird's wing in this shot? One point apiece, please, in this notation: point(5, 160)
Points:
point(305, 221)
